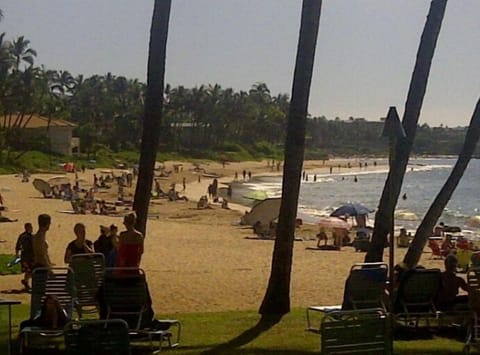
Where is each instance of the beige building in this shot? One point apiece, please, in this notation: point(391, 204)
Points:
point(59, 132)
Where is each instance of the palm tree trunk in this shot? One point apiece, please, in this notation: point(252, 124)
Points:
point(277, 298)
point(416, 93)
point(435, 211)
point(153, 109)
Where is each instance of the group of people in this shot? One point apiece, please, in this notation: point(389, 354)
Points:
point(120, 250)
point(340, 237)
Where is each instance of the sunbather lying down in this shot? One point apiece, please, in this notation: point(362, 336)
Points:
point(4, 219)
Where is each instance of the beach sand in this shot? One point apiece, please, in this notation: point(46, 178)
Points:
point(195, 260)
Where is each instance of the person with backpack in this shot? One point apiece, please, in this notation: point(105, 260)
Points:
point(24, 250)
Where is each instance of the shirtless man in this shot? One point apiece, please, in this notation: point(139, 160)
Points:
point(39, 243)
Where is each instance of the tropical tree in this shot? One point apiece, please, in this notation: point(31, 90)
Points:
point(152, 121)
point(413, 105)
point(22, 53)
point(277, 298)
point(435, 211)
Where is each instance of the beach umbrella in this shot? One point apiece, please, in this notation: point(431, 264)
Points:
point(259, 195)
point(333, 222)
point(351, 209)
point(42, 186)
point(474, 222)
point(264, 212)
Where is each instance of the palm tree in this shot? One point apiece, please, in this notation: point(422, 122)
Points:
point(152, 121)
point(277, 298)
point(413, 105)
point(434, 212)
point(21, 52)
point(6, 59)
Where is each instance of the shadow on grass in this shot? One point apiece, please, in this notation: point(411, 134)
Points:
point(263, 325)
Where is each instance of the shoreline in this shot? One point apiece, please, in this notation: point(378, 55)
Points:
point(195, 190)
point(195, 260)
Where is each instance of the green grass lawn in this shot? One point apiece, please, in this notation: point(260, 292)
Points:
point(236, 333)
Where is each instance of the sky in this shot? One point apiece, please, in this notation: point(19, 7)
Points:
point(365, 52)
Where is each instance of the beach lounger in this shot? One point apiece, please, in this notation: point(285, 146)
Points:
point(126, 297)
point(356, 332)
point(364, 289)
point(366, 286)
point(58, 282)
point(89, 272)
point(473, 334)
point(464, 257)
point(97, 337)
point(416, 296)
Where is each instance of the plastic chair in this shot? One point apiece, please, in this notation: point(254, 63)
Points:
point(58, 282)
point(89, 272)
point(126, 297)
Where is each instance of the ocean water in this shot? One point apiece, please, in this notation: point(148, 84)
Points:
point(423, 180)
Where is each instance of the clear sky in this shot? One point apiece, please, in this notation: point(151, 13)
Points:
point(365, 52)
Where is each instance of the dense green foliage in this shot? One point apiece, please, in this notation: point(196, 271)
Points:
point(201, 122)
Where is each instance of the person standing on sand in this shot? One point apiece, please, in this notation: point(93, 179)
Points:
point(24, 250)
point(80, 245)
point(40, 244)
point(130, 244)
point(184, 183)
point(244, 173)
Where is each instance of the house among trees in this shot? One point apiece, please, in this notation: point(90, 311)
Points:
point(59, 132)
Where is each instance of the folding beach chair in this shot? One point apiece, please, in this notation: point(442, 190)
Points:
point(473, 335)
point(364, 289)
point(464, 257)
point(89, 272)
point(361, 332)
point(416, 295)
point(97, 337)
point(57, 282)
point(365, 286)
point(126, 297)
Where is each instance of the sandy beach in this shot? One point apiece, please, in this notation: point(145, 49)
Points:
point(195, 260)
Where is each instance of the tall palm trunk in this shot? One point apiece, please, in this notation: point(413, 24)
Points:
point(153, 109)
point(413, 105)
point(277, 298)
point(435, 211)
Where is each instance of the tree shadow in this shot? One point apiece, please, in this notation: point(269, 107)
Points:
point(264, 324)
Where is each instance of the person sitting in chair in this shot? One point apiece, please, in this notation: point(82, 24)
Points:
point(447, 246)
point(448, 297)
